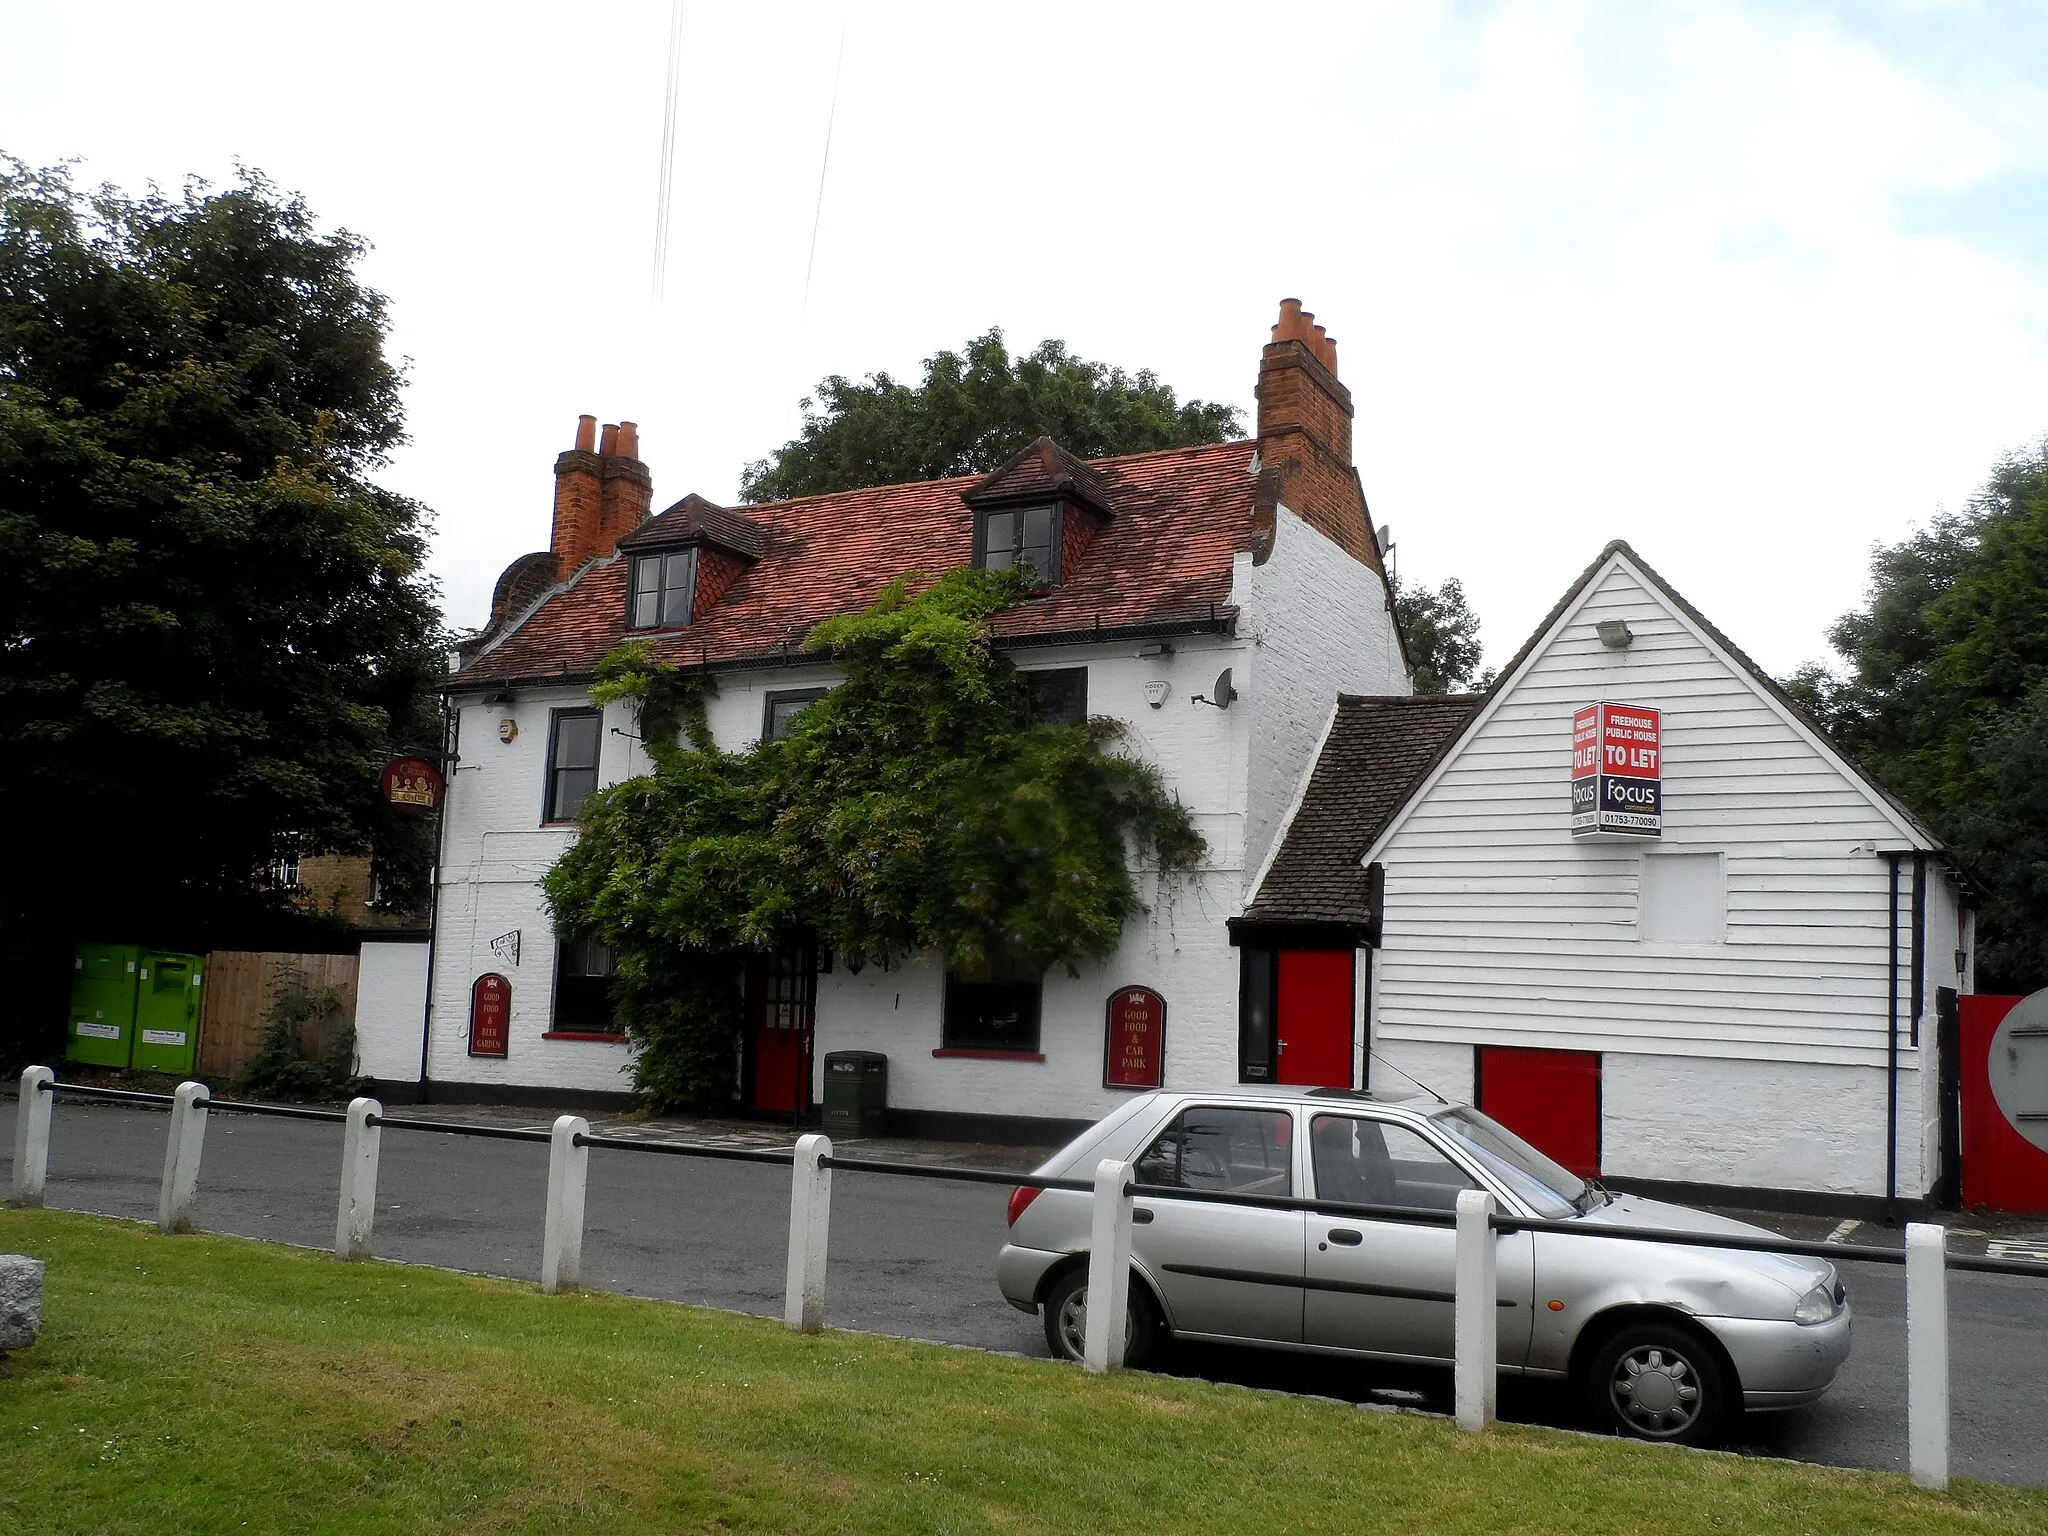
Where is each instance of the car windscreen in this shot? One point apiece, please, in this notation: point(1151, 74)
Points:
point(1551, 1191)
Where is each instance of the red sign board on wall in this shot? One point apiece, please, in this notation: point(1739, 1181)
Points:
point(1134, 1040)
point(490, 1016)
point(1617, 771)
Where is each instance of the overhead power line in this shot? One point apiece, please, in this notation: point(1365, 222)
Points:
point(668, 146)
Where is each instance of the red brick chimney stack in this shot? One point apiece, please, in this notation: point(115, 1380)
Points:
point(1305, 432)
point(602, 493)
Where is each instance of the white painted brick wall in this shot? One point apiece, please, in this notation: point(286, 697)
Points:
point(1318, 624)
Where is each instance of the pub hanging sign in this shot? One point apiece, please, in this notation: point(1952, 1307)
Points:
point(412, 784)
point(490, 1016)
point(1617, 771)
point(1134, 1039)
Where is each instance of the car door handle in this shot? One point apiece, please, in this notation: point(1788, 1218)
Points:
point(1140, 1215)
point(1346, 1236)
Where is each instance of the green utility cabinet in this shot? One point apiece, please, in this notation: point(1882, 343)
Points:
point(856, 1093)
point(135, 1007)
point(167, 995)
point(101, 1030)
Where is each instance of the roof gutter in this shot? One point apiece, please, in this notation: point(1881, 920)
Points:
point(1220, 620)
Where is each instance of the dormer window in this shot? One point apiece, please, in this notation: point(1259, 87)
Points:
point(1011, 538)
point(664, 587)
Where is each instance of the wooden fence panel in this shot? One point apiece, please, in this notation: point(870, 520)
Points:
point(240, 987)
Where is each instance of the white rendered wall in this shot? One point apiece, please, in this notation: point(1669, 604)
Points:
point(391, 998)
point(1501, 929)
point(1318, 623)
point(496, 850)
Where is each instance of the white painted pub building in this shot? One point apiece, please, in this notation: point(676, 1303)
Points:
point(1213, 600)
point(1629, 900)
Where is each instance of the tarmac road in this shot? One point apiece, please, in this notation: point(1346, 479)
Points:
point(915, 1258)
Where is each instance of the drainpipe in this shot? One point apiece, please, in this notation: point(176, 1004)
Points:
point(451, 738)
point(1891, 1057)
point(1919, 943)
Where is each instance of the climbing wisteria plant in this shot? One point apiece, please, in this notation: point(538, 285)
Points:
point(917, 806)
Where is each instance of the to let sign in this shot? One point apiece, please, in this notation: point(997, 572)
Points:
point(413, 784)
point(1134, 1044)
point(490, 1016)
point(1617, 771)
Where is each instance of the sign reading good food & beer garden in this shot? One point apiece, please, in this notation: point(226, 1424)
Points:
point(1617, 771)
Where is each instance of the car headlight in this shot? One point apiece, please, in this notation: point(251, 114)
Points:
point(1820, 1303)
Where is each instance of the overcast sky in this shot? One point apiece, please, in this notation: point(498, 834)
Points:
point(1749, 286)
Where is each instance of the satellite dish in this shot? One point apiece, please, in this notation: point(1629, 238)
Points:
point(1222, 695)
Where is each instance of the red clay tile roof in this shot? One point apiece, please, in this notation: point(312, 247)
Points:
point(1165, 560)
point(1378, 750)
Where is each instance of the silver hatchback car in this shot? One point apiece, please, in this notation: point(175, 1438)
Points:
point(1664, 1340)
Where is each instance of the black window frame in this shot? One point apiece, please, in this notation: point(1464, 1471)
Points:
point(552, 813)
point(584, 1004)
point(968, 1002)
point(661, 590)
point(798, 696)
point(1055, 551)
point(1041, 682)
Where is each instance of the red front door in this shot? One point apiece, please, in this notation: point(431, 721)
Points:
point(782, 1032)
point(1313, 1018)
point(1551, 1099)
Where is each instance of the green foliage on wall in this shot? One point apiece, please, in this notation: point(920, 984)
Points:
point(917, 806)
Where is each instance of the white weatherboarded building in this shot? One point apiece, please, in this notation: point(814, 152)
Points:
point(1753, 998)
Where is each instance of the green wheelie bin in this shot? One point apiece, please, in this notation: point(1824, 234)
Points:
point(101, 1028)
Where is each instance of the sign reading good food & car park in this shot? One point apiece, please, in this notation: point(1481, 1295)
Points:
point(490, 1015)
point(413, 784)
point(1617, 771)
point(1134, 1044)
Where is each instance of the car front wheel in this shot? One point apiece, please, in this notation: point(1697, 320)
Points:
point(1066, 1319)
point(1659, 1381)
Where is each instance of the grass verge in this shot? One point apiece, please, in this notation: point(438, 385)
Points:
point(203, 1383)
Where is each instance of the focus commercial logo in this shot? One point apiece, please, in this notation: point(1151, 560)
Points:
point(1617, 771)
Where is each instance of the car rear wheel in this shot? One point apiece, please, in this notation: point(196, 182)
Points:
point(1659, 1381)
point(1066, 1319)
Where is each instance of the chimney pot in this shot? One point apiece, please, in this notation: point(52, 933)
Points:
point(629, 439)
point(586, 433)
point(1289, 325)
point(608, 440)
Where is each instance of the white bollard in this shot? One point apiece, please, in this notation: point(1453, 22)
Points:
point(561, 1243)
point(181, 1157)
point(1927, 1354)
point(32, 1136)
point(1478, 1288)
point(810, 1230)
point(356, 1214)
point(1109, 1269)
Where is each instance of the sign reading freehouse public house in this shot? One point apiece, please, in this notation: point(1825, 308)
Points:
point(1617, 771)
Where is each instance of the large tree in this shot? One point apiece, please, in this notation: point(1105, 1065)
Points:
point(1442, 634)
point(973, 410)
point(1945, 697)
point(214, 625)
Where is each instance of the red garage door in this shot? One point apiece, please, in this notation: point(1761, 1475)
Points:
point(1551, 1099)
point(2005, 1133)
